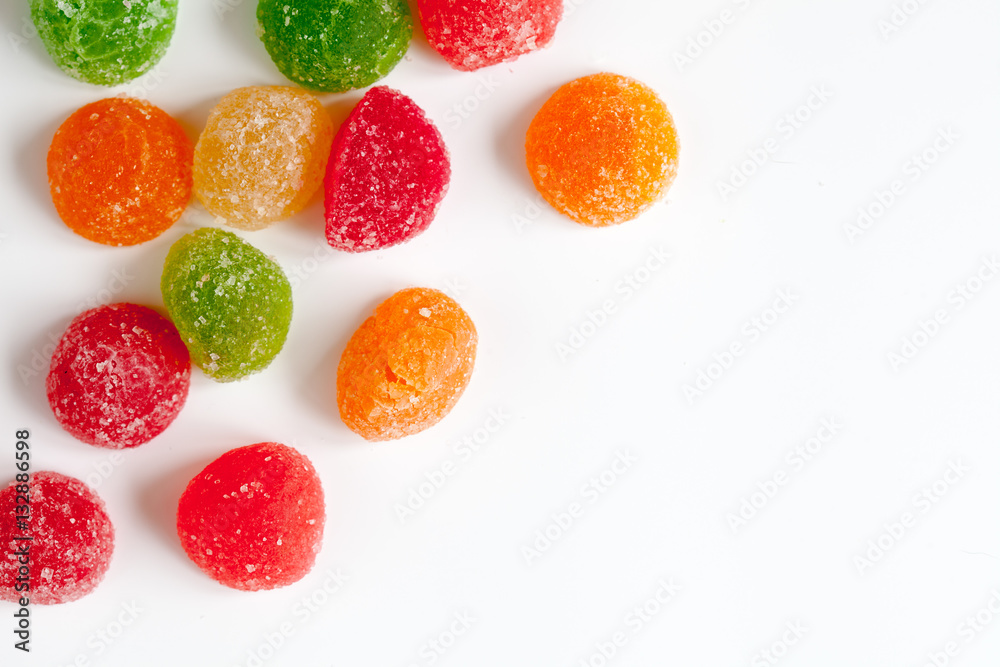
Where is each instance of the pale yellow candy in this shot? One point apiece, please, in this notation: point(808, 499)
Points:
point(262, 155)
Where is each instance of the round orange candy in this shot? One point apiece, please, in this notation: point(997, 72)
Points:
point(602, 149)
point(406, 366)
point(120, 171)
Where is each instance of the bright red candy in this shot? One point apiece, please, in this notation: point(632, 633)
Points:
point(72, 539)
point(387, 174)
point(119, 376)
point(477, 33)
point(253, 518)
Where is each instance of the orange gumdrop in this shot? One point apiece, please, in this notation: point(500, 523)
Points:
point(120, 171)
point(406, 366)
point(262, 155)
point(602, 149)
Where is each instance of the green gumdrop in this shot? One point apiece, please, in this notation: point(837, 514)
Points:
point(105, 42)
point(230, 302)
point(335, 45)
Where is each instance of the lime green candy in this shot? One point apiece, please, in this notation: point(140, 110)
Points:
point(105, 42)
point(231, 303)
point(335, 45)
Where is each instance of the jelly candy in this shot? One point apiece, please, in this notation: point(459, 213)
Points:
point(231, 303)
point(602, 149)
point(387, 174)
point(477, 33)
point(335, 45)
point(105, 42)
point(119, 376)
point(262, 155)
point(406, 366)
point(253, 518)
point(72, 539)
point(120, 171)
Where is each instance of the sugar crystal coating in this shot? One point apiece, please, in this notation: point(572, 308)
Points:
point(72, 539)
point(602, 149)
point(253, 518)
point(335, 45)
point(105, 42)
point(477, 33)
point(231, 303)
point(387, 174)
point(119, 376)
point(262, 155)
point(120, 171)
point(406, 366)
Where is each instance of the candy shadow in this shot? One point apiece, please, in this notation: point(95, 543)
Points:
point(509, 143)
point(419, 40)
point(32, 169)
point(319, 390)
point(241, 26)
point(158, 500)
point(30, 367)
point(194, 118)
point(19, 31)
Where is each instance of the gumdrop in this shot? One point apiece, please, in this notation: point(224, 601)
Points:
point(405, 367)
point(253, 518)
point(119, 376)
point(387, 174)
point(602, 149)
point(335, 45)
point(105, 42)
point(231, 303)
point(477, 33)
point(262, 155)
point(120, 171)
point(71, 544)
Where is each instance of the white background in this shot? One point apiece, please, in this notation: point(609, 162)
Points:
point(527, 286)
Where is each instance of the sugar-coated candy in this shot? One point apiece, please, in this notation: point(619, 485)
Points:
point(335, 45)
point(105, 42)
point(120, 171)
point(477, 33)
point(253, 518)
point(387, 174)
point(406, 366)
point(602, 149)
point(72, 539)
point(119, 376)
point(262, 155)
point(231, 303)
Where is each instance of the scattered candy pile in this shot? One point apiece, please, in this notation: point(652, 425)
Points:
point(601, 150)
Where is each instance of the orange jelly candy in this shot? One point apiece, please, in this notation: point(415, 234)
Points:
point(602, 149)
point(262, 155)
point(406, 366)
point(120, 171)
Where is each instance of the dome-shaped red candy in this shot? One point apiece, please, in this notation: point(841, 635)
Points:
point(253, 518)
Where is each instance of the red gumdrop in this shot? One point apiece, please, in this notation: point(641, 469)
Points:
point(72, 539)
point(119, 376)
point(253, 518)
point(477, 33)
point(387, 174)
